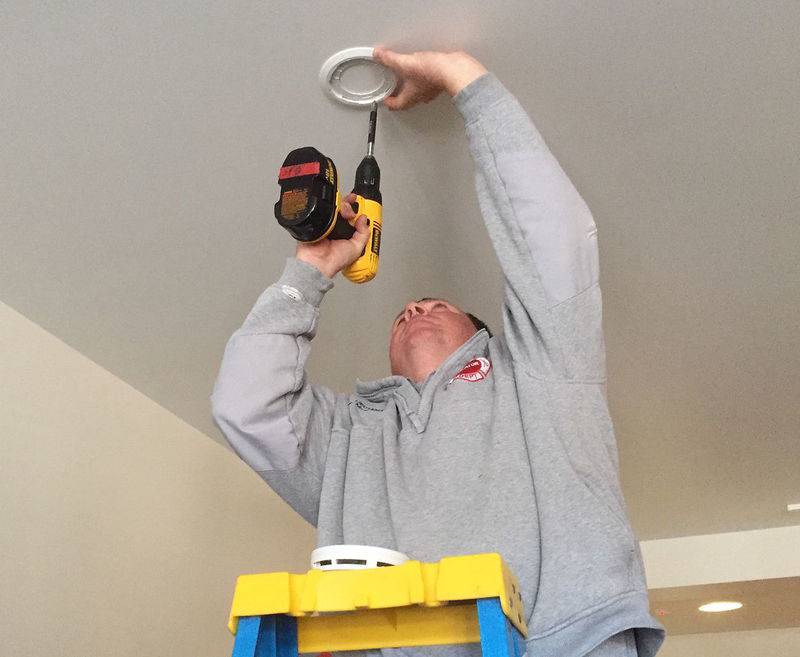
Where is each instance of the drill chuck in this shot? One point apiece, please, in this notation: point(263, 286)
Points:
point(368, 179)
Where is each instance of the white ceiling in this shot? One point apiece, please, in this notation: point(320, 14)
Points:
point(140, 148)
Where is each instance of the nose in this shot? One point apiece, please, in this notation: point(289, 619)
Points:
point(413, 308)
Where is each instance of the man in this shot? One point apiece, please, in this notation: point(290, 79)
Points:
point(475, 443)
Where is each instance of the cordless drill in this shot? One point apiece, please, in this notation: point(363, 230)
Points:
point(308, 206)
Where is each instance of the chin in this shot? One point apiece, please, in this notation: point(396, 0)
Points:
point(421, 329)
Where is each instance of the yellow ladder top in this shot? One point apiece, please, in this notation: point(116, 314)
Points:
point(411, 584)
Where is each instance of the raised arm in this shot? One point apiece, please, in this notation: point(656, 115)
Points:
point(274, 419)
point(540, 227)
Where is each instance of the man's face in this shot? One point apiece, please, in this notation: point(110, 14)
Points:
point(433, 325)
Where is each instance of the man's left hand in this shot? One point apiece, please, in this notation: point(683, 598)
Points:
point(424, 75)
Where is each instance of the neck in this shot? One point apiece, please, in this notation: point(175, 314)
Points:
point(427, 355)
point(423, 362)
point(422, 370)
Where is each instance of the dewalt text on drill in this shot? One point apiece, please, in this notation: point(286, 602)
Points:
point(308, 206)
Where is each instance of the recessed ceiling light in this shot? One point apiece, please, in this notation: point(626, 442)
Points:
point(353, 77)
point(720, 606)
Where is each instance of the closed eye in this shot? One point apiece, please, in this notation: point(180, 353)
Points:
point(436, 305)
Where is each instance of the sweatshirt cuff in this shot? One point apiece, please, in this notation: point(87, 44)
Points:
point(304, 279)
point(479, 94)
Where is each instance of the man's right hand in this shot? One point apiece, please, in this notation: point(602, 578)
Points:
point(331, 256)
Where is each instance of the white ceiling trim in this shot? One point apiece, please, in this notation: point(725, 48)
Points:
point(729, 557)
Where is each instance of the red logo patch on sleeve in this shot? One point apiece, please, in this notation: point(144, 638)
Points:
point(475, 370)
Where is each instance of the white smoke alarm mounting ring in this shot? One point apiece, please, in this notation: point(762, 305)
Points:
point(355, 557)
point(354, 77)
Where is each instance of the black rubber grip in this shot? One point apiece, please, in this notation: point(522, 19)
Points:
point(342, 230)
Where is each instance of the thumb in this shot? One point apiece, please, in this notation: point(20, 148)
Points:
point(361, 235)
point(394, 60)
point(362, 225)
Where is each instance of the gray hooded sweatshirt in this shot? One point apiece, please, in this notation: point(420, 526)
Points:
point(507, 447)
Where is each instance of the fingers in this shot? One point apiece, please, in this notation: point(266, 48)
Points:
point(345, 207)
point(420, 76)
point(409, 96)
point(402, 65)
point(391, 103)
point(404, 97)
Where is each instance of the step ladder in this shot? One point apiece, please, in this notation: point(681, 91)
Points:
point(465, 599)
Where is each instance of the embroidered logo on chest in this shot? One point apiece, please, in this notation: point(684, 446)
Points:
point(475, 370)
point(361, 405)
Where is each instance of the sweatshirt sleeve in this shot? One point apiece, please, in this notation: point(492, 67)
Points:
point(544, 236)
point(274, 419)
